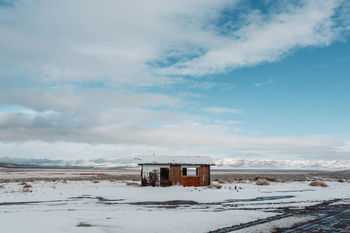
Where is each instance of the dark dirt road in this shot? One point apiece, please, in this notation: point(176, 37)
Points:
point(330, 216)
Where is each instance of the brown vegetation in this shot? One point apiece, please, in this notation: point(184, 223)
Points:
point(262, 182)
point(134, 175)
point(318, 183)
point(93, 174)
point(27, 186)
point(215, 186)
point(26, 190)
point(132, 184)
point(221, 181)
point(270, 179)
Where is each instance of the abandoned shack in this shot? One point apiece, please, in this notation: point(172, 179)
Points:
point(175, 170)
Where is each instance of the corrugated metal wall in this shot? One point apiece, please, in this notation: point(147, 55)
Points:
point(148, 173)
point(175, 175)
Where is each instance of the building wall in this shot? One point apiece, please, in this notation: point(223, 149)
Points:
point(175, 175)
point(151, 175)
point(190, 181)
point(203, 178)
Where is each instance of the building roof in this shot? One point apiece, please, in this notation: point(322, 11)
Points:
point(180, 160)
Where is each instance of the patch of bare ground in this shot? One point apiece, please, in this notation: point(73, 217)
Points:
point(114, 175)
point(112, 178)
point(93, 174)
point(83, 224)
point(318, 183)
point(241, 177)
point(2, 186)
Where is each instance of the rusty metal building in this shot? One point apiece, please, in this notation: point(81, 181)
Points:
point(175, 170)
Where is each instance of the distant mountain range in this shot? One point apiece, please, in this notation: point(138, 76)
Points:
point(224, 164)
point(35, 166)
point(17, 165)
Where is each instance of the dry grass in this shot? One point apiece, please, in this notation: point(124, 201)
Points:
point(26, 190)
point(93, 174)
point(132, 184)
point(240, 181)
point(340, 180)
point(262, 182)
point(215, 186)
point(270, 179)
point(318, 183)
point(27, 186)
point(95, 181)
point(221, 181)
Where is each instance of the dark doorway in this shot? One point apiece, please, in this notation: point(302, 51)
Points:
point(164, 176)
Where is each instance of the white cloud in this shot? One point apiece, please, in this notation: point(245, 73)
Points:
point(264, 38)
point(88, 40)
point(116, 41)
point(266, 82)
point(229, 122)
point(221, 110)
point(64, 99)
point(51, 49)
point(265, 157)
point(166, 131)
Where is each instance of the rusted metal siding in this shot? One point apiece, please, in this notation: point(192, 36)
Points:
point(190, 181)
point(203, 178)
point(151, 175)
point(206, 175)
point(175, 175)
point(200, 176)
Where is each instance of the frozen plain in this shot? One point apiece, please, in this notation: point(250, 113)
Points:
point(105, 206)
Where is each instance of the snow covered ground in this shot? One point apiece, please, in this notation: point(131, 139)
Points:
point(84, 206)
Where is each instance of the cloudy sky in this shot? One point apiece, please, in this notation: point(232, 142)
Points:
point(237, 80)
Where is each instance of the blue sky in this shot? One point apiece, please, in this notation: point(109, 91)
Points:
point(254, 80)
point(305, 93)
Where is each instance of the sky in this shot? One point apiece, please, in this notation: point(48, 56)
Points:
point(249, 83)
